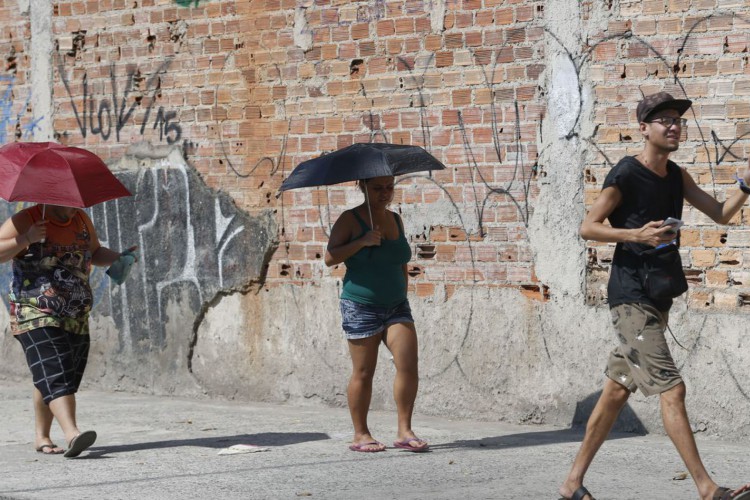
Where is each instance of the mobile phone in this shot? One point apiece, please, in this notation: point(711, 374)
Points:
point(675, 224)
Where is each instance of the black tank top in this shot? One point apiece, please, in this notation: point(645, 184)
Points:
point(646, 197)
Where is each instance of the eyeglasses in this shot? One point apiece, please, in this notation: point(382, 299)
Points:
point(668, 121)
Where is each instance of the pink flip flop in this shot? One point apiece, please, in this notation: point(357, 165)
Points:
point(362, 447)
point(404, 444)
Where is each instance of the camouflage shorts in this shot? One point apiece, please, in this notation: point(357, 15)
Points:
point(642, 360)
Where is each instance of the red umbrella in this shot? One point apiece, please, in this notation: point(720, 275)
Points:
point(53, 174)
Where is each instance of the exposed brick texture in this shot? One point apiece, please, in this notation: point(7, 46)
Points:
point(250, 89)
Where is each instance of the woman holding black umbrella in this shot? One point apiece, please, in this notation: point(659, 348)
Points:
point(370, 241)
point(52, 250)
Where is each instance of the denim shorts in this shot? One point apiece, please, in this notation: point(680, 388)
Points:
point(360, 321)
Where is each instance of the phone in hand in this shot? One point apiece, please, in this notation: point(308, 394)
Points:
point(675, 224)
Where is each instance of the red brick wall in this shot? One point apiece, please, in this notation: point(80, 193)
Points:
point(376, 72)
point(15, 117)
point(693, 50)
point(228, 83)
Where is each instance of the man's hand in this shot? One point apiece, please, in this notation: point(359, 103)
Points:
point(746, 174)
point(653, 234)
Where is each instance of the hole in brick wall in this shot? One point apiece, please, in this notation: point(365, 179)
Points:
point(591, 257)
point(415, 271)
point(426, 251)
point(744, 299)
point(285, 269)
point(589, 177)
point(355, 66)
point(79, 41)
point(694, 276)
point(723, 238)
point(543, 291)
point(317, 255)
point(151, 39)
point(11, 61)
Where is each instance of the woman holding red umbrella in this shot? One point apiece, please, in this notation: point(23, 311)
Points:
point(52, 250)
point(375, 309)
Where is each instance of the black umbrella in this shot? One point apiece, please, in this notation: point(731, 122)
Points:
point(361, 161)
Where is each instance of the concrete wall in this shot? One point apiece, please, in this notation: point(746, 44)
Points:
point(202, 108)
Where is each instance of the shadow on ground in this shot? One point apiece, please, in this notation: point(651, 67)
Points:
point(627, 425)
point(262, 439)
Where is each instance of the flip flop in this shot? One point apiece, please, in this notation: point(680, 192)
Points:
point(51, 448)
point(726, 494)
point(362, 447)
point(405, 445)
point(580, 494)
point(80, 443)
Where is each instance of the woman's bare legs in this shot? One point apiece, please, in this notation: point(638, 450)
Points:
point(401, 340)
point(64, 410)
point(43, 424)
point(364, 353)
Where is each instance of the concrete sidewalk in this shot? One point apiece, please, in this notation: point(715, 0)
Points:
point(164, 448)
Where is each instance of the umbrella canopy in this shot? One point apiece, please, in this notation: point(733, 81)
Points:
point(361, 161)
point(53, 174)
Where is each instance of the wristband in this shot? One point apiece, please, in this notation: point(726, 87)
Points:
point(743, 187)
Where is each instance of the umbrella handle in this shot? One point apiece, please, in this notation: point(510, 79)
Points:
point(44, 210)
point(369, 211)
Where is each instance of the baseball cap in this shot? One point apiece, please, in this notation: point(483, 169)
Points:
point(660, 101)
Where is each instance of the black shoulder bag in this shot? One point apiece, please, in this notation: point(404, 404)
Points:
point(663, 274)
point(663, 277)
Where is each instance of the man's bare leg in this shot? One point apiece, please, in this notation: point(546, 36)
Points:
point(676, 423)
point(612, 400)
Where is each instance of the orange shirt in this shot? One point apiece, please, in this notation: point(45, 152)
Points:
point(50, 285)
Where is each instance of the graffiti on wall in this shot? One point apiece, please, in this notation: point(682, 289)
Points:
point(102, 115)
point(11, 119)
point(193, 245)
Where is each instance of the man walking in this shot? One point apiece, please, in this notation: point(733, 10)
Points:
point(640, 195)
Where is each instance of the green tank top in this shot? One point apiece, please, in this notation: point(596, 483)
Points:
point(374, 275)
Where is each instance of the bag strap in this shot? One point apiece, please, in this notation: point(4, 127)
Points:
point(677, 198)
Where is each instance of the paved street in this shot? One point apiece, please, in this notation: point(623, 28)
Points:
point(164, 448)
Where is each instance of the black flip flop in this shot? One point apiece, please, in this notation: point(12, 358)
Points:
point(724, 493)
point(80, 443)
point(580, 494)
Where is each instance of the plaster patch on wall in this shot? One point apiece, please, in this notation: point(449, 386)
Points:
point(564, 95)
point(437, 15)
point(439, 213)
point(303, 37)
